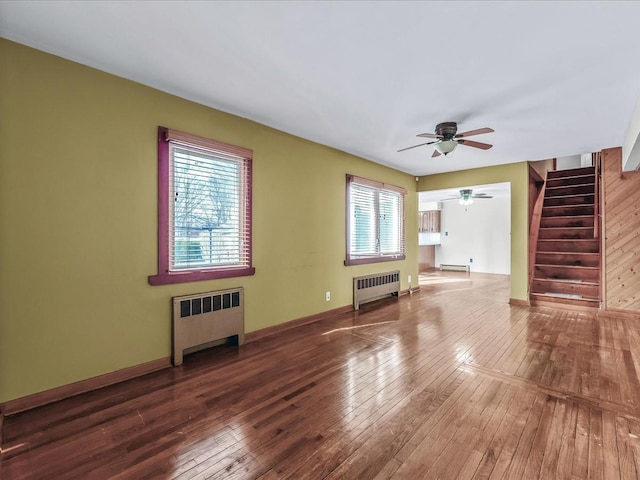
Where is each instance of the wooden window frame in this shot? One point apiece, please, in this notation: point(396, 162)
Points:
point(165, 276)
point(361, 259)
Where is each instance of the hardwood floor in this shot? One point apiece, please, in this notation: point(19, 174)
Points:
point(451, 382)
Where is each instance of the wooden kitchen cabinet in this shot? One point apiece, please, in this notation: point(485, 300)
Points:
point(429, 221)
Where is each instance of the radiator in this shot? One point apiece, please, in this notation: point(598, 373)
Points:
point(205, 317)
point(372, 287)
point(455, 268)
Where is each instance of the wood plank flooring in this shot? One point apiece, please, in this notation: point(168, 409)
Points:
point(451, 383)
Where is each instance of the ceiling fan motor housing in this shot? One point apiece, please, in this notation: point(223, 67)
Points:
point(447, 130)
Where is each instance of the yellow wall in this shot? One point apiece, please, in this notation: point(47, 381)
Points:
point(78, 221)
point(517, 175)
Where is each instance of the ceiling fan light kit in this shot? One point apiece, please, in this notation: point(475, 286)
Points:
point(445, 147)
point(466, 197)
point(447, 139)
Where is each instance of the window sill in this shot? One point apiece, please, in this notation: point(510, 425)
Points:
point(196, 276)
point(364, 260)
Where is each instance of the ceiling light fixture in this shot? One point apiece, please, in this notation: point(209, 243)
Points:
point(466, 197)
point(446, 147)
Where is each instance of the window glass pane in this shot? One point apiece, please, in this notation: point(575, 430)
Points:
point(363, 232)
point(390, 222)
point(205, 225)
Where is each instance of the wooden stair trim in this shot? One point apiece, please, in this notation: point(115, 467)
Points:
point(534, 230)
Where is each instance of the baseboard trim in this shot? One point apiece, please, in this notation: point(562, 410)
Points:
point(618, 313)
point(410, 290)
point(519, 303)
point(281, 327)
point(72, 389)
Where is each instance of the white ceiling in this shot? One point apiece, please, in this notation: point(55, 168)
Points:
point(552, 78)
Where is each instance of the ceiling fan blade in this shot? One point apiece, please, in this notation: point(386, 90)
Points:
point(471, 143)
point(429, 135)
point(419, 145)
point(436, 153)
point(477, 131)
point(482, 195)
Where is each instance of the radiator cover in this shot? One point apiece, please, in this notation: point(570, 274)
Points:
point(372, 287)
point(206, 317)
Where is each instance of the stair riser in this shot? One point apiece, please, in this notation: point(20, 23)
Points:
point(569, 190)
point(562, 272)
point(571, 172)
point(573, 211)
point(566, 222)
point(569, 258)
point(565, 181)
point(579, 246)
point(542, 286)
point(566, 233)
point(569, 200)
point(571, 303)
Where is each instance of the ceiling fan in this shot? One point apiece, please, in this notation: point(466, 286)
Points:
point(466, 197)
point(447, 139)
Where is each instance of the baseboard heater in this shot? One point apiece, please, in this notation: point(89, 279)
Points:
point(455, 268)
point(204, 318)
point(372, 287)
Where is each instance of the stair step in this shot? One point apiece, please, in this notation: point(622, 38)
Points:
point(569, 200)
point(566, 181)
point(542, 299)
point(574, 245)
point(569, 273)
point(582, 189)
point(566, 233)
point(571, 172)
point(567, 221)
point(568, 258)
point(563, 287)
point(567, 210)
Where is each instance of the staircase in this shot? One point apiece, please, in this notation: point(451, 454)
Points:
point(567, 259)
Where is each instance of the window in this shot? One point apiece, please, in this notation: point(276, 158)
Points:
point(204, 209)
point(375, 221)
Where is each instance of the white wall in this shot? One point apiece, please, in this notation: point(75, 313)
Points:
point(481, 231)
point(564, 163)
point(631, 146)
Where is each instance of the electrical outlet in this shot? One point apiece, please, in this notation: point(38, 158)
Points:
point(409, 278)
point(327, 296)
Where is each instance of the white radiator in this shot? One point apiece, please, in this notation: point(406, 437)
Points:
point(455, 268)
point(205, 317)
point(372, 287)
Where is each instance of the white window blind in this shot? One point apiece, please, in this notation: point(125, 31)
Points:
point(375, 221)
point(208, 214)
